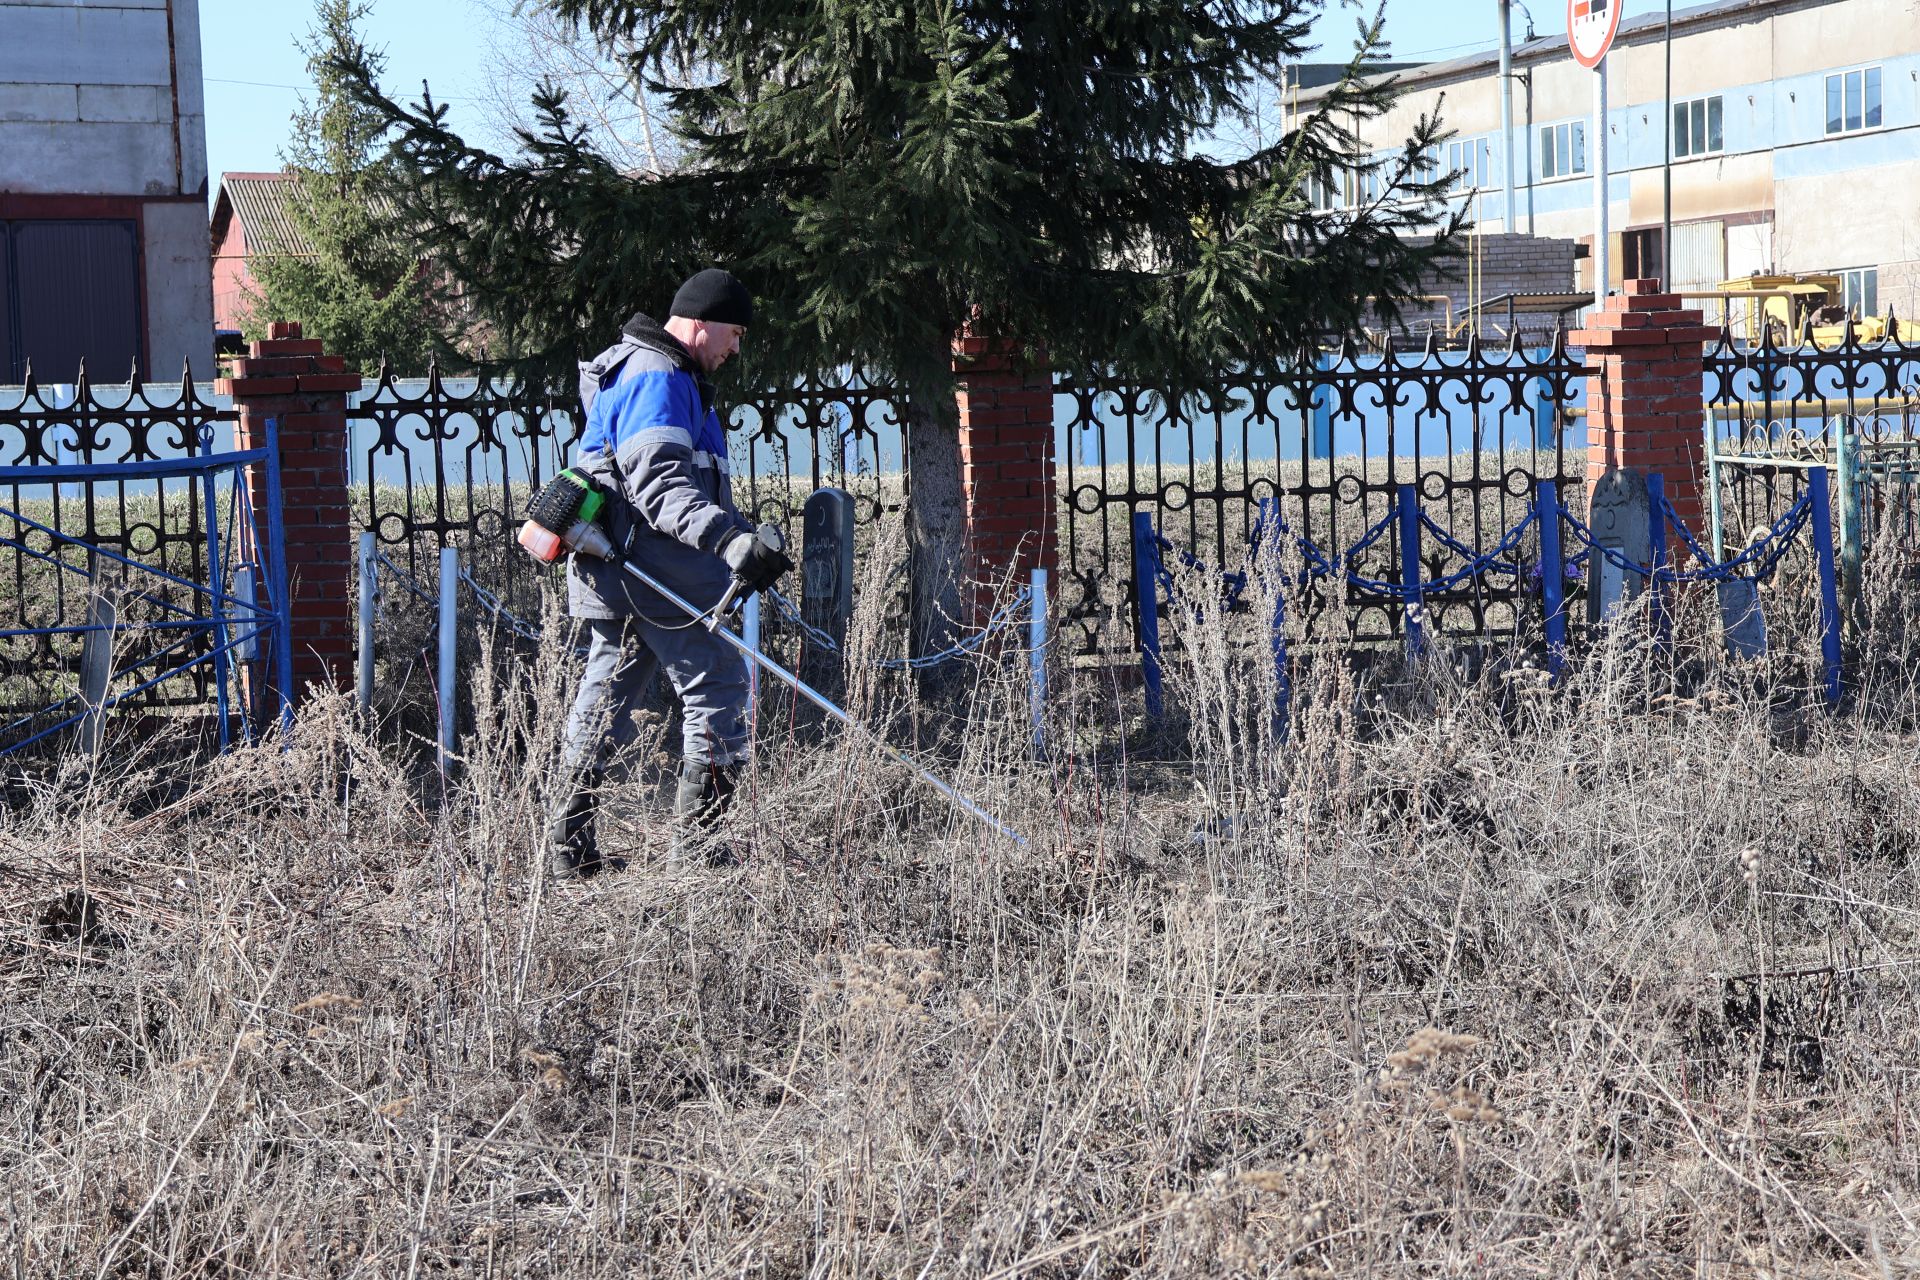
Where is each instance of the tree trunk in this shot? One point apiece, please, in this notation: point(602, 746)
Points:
point(936, 512)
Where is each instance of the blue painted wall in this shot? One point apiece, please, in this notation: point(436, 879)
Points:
point(1787, 116)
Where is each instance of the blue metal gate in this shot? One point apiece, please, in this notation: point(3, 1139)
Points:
point(139, 623)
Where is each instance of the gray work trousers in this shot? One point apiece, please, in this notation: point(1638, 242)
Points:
point(622, 655)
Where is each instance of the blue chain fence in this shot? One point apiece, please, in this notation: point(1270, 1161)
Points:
point(1012, 614)
point(1547, 516)
point(1025, 608)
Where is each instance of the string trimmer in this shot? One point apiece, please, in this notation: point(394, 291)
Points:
point(565, 516)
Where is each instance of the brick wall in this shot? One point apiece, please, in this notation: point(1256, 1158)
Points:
point(1644, 402)
point(304, 391)
point(1499, 264)
point(1005, 402)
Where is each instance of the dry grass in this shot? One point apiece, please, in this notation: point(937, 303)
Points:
point(1465, 976)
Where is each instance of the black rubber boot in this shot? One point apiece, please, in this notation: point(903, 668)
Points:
point(699, 802)
point(573, 849)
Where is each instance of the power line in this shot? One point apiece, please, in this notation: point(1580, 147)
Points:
point(307, 88)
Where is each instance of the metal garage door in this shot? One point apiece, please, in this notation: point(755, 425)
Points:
point(73, 293)
point(1699, 254)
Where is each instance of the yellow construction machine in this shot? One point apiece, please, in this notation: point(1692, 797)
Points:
point(1784, 305)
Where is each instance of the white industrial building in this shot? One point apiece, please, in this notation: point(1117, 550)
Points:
point(1796, 144)
point(104, 251)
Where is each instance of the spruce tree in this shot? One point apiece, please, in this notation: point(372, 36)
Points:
point(356, 284)
point(883, 172)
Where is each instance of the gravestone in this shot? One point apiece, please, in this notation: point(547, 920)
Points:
point(1741, 621)
point(96, 664)
point(826, 578)
point(1619, 513)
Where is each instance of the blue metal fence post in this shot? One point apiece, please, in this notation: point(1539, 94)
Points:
point(1146, 592)
point(216, 565)
point(1408, 511)
point(281, 590)
point(256, 643)
point(1657, 543)
point(1271, 523)
point(1037, 659)
point(1546, 426)
point(1829, 580)
point(1553, 582)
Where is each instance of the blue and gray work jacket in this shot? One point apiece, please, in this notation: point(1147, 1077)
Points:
point(653, 438)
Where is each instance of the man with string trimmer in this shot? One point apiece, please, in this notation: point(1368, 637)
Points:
point(654, 449)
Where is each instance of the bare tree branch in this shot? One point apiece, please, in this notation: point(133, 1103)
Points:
point(527, 44)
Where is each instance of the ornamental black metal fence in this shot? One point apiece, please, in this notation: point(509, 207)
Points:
point(1776, 410)
point(450, 461)
point(1329, 437)
point(160, 522)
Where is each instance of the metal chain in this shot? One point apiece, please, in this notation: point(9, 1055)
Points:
point(1001, 619)
point(1766, 552)
point(1321, 565)
point(1459, 548)
point(1478, 565)
point(406, 579)
point(491, 603)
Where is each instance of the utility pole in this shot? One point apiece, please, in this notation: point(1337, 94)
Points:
point(1666, 172)
point(1508, 157)
point(1527, 79)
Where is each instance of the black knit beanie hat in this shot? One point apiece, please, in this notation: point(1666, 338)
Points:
point(714, 294)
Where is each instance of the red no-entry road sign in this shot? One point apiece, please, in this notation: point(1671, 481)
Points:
point(1590, 28)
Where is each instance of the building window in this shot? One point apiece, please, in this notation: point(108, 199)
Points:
point(1860, 291)
point(1853, 100)
point(1468, 158)
point(1696, 128)
point(1337, 194)
point(1563, 149)
point(1641, 251)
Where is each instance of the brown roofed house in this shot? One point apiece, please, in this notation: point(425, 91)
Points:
point(249, 220)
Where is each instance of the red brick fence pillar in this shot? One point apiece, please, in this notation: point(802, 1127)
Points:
point(287, 379)
point(1005, 399)
point(1644, 402)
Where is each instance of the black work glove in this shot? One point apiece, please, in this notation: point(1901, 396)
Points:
point(759, 558)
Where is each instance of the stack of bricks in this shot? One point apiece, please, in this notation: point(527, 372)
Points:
point(1005, 401)
point(1496, 265)
point(289, 380)
point(1644, 407)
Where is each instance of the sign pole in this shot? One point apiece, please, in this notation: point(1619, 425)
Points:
point(1591, 25)
point(1602, 267)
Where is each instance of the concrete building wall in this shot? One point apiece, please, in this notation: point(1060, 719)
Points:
point(101, 103)
point(179, 287)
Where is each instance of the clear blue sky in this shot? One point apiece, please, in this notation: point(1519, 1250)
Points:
point(254, 71)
